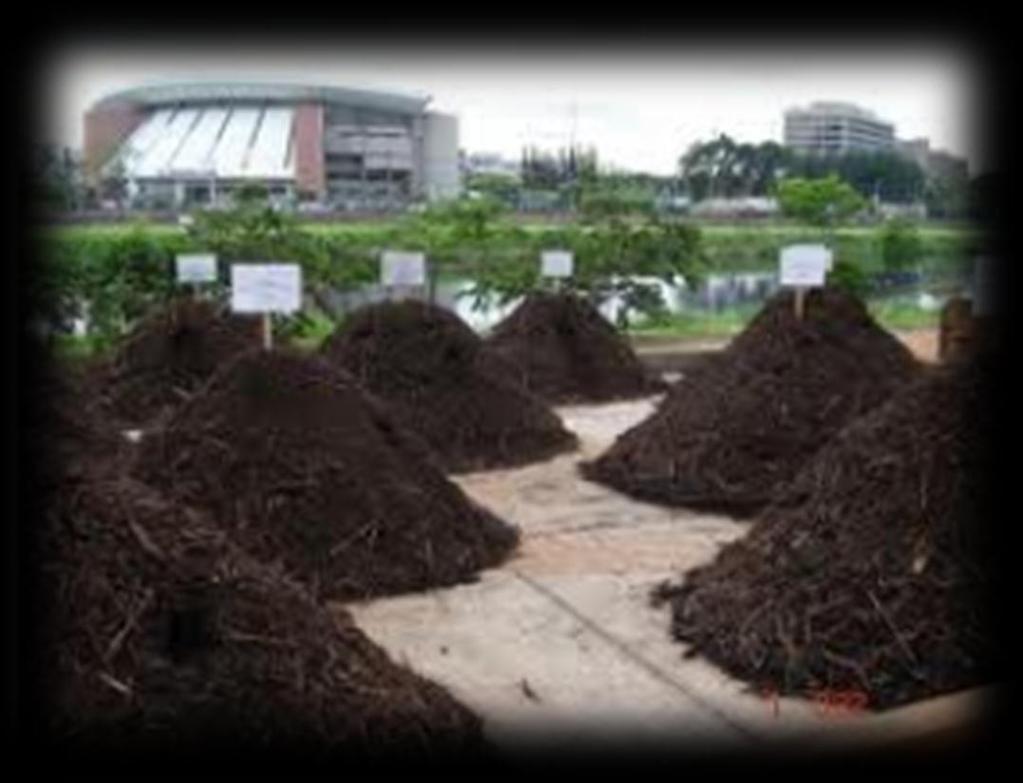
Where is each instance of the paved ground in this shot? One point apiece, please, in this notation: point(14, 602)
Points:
point(561, 641)
point(922, 342)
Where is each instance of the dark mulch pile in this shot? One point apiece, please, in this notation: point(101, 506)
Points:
point(741, 423)
point(156, 633)
point(565, 351)
point(301, 465)
point(431, 370)
point(958, 330)
point(168, 356)
point(872, 570)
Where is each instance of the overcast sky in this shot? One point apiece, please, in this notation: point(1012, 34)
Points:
point(640, 107)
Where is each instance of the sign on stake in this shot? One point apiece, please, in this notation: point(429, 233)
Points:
point(803, 267)
point(402, 269)
point(556, 263)
point(195, 268)
point(266, 289)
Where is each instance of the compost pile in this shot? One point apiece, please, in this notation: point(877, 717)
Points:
point(565, 351)
point(300, 465)
point(157, 633)
point(871, 572)
point(743, 422)
point(63, 426)
point(958, 334)
point(432, 371)
point(169, 356)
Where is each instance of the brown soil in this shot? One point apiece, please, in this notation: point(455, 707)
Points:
point(871, 571)
point(155, 633)
point(169, 356)
point(430, 369)
point(301, 465)
point(922, 343)
point(566, 351)
point(957, 334)
point(741, 423)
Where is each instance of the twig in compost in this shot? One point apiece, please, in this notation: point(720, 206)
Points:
point(233, 636)
point(143, 538)
point(117, 685)
point(129, 623)
point(348, 540)
point(895, 631)
point(848, 663)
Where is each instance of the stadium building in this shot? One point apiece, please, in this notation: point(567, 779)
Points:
point(193, 144)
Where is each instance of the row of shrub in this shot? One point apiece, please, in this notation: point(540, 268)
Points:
point(725, 249)
point(123, 271)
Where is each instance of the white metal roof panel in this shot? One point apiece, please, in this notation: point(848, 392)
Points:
point(134, 149)
point(269, 152)
point(230, 156)
point(158, 158)
point(195, 153)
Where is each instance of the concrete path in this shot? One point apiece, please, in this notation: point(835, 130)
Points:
point(561, 642)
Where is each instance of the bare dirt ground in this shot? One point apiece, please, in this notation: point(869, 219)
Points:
point(922, 342)
point(561, 640)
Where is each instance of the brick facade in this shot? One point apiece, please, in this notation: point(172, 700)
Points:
point(105, 128)
point(310, 172)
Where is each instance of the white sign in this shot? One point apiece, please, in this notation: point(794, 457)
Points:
point(804, 266)
point(266, 288)
point(196, 268)
point(556, 263)
point(186, 220)
point(401, 268)
point(983, 285)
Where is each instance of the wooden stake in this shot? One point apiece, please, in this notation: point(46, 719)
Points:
point(431, 285)
point(800, 294)
point(268, 332)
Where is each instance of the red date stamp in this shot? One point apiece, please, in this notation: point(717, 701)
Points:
point(771, 695)
point(829, 702)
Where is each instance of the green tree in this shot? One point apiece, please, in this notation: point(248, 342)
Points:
point(544, 169)
point(723, 167)
point(603, 201)
point(613, 256)
point(887, 175)
point(54, 178)
point(114, 184)
point(947, 197)
point(252, 230)
point(849, 277)
point(901, 245)
point(820, 202)
point(506, 188)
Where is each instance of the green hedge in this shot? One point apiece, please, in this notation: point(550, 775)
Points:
point(726, 248)
point(741, 248)
point(123, 271)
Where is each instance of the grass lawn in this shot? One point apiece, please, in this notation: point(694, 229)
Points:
point(901, 315)
point(892, 314)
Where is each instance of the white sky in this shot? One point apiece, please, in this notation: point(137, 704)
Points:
point(640, 106)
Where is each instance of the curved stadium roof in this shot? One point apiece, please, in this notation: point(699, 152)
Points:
point(216, 92)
